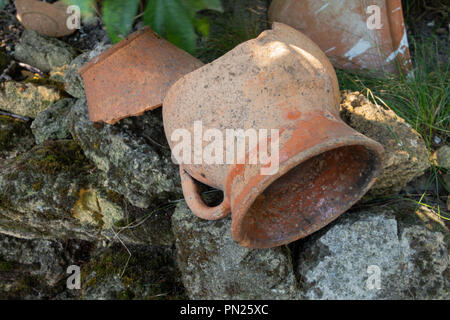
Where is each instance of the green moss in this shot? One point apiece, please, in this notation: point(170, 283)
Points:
point(46, 82)
point(121, 223)
point(37, 186)
point(10, 128)
point(125, 295)
point(114, 197)
point(4, 61)
point(6, 266)
point(12, 175)
point(144, 275)
point(4, 201)
point(57, 156)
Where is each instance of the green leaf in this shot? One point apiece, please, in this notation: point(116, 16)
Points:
point(180, 28)
point(176, 20)
point(154, 15)
point(87, 7)
point(2, 4)
point(198, 5)
point(202, 26)
point(118, 16)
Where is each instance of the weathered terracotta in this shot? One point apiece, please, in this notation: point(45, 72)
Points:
point(341, 30)
point(133, 76)
point(280, 80)
point(44, 18)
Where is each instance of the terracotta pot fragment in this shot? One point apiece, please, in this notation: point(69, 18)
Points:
point(133, 76)
point(349, 31)
point(279, 81)
point(44, 18)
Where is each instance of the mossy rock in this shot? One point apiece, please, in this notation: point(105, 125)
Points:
point(15, 137)
point(149, 273)
point(4, 61)
point(27, 99)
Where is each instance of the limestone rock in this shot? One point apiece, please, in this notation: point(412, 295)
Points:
point(443, 157)
point(36, 269)
point(380, 253)
point(43, 52)
point(133, 154)
point(52, 124)
point(213, 266)
point(43, 193)
point(27, 99)
point(406, 155)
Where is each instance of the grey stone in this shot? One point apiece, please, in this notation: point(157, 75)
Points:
point(344, 260)
point(52, 123)
point(46, 254)
point(133, 154)
point(54, 192)
point(43, 52)
point(213, 266)
point(36, 269)
point(406, 155)
point(73, 83)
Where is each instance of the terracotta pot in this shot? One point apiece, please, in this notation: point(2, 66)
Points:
point(44, 18)
point(347, 31)
point(280, 81)
point(133, 76)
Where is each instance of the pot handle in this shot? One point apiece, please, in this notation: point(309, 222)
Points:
point(191, 192)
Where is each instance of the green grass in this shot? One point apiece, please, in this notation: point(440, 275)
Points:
point(229, 30)
point(415, 10)
point(422, 99)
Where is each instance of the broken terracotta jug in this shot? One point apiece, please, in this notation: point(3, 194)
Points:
point(315, 169)
point(355, 34)
point(45, 18)
point(133, 76)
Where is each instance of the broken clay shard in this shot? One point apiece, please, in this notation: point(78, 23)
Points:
point(133, 76)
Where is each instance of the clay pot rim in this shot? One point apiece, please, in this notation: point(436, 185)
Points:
point(115, 48)
point(352, 138)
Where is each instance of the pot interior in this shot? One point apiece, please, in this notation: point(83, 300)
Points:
point(309, 196)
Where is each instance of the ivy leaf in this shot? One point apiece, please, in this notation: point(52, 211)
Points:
point(2, 4)
point(198, 5)
point(118, 16)
point(176, 20)
point(154, 15)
